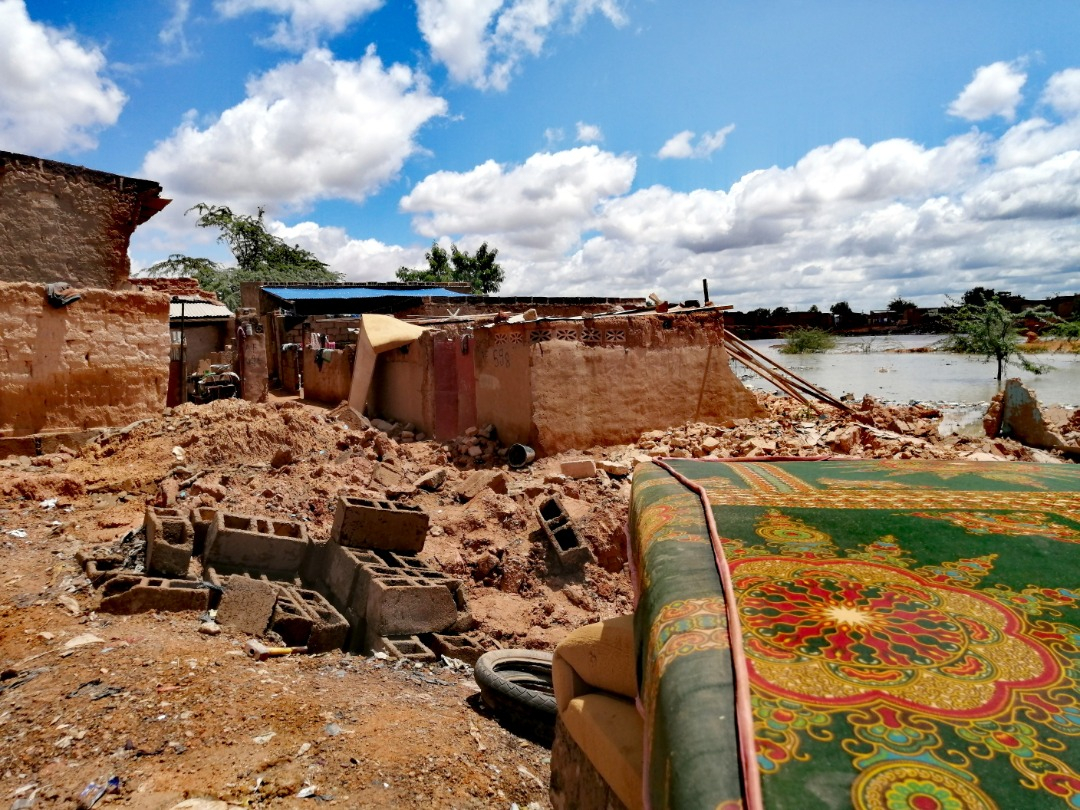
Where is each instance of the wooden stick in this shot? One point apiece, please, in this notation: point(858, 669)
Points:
point(791, 377)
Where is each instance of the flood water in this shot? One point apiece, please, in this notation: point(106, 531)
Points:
point(871, 366)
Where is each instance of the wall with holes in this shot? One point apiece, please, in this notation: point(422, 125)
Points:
point(557, 385)
point(102, 361)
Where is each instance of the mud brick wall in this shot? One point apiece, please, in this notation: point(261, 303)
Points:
point(556, 385)
point(60, 222)
point(174, 286)
point(102, 361)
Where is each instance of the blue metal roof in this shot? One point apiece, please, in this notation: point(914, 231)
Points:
point(356, 293)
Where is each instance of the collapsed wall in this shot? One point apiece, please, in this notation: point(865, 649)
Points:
point(102, 361)
point(60, 222)
point(561, 384)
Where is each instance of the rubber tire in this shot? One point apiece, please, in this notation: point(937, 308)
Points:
point(516, 686)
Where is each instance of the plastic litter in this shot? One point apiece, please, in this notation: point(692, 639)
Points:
point(93, 792)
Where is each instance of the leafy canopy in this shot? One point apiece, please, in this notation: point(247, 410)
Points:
point(990, 331)
point(480, 270)
point(805, 340)
point(260, 256)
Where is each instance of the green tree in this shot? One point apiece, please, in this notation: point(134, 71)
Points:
point(977, 296)
point(841, 308)
point(990, 331)
point(802, 340)
point(479, 270)
point(901, 305)
point(260, 256)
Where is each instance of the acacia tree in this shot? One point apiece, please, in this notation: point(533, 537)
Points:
point(990, 331)
point(479, 270)
point(260, 256)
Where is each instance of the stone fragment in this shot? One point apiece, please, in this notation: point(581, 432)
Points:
point(481, 480)
point(619, 469)
point(578, 468)
point(432, 481)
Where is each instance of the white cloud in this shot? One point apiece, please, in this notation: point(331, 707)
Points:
point(538, 207)
point(1063, 92)
point(308, 22)
point(356, 259)
point(483, 42)
point(553, 135)
point(173, 35)
point(588, 133)
point(53, 94)
point(994, 90)
point(681, 146)
point(309, 130)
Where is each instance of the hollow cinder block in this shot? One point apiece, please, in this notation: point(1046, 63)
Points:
point(257, 545)
point(454, 645)
point(169, 542)
point(363, 523)
point(202, 518)
point(409, 647)
point(403, 605)
point(129, 594)
point(304, 618)
point(570, 549)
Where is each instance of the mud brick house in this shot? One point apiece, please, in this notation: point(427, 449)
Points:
point(101, 359)
point(560, 383)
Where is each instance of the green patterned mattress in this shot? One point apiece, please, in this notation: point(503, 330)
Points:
point(902, 635)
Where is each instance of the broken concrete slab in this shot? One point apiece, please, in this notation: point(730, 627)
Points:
point(127, 595)
point(372, 524)
point(170, 540)
point(246, 604)
point(1014, 413)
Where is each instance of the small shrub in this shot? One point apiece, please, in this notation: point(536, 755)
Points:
point(805, 341)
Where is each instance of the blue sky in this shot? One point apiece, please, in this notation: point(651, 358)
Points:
point(793, 153)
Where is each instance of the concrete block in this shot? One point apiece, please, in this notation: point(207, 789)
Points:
point(578, 468)
point(409, 647)
point(304, 618)
point(362, 523)
point(562, 536)
point(246, 604)
point(132, 594)
point(402, 605)
point(257, 545)
point(202, 518)
point(456, 645)
point(101, 569)
point(170, 540)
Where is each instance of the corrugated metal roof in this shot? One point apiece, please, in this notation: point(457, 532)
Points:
point(356, 293)
point(193, 310)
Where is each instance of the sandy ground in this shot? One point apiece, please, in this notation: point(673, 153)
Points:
point(176, 714)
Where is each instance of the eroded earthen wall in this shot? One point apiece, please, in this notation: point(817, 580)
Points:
point(101, 361)
point(606, 380)
point(64, 223)
point(403, 387)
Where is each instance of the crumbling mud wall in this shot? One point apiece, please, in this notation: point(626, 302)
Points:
point(557, 385)
point(328, 374)
point(60, 222)
point(102, 361)
point(403, 387)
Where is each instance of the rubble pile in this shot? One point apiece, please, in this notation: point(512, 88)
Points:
point(870, 430)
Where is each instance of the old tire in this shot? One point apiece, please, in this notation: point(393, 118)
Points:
point(516, 686)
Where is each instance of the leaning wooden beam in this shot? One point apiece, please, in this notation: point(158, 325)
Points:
point(813, 390)
point(767, 374)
